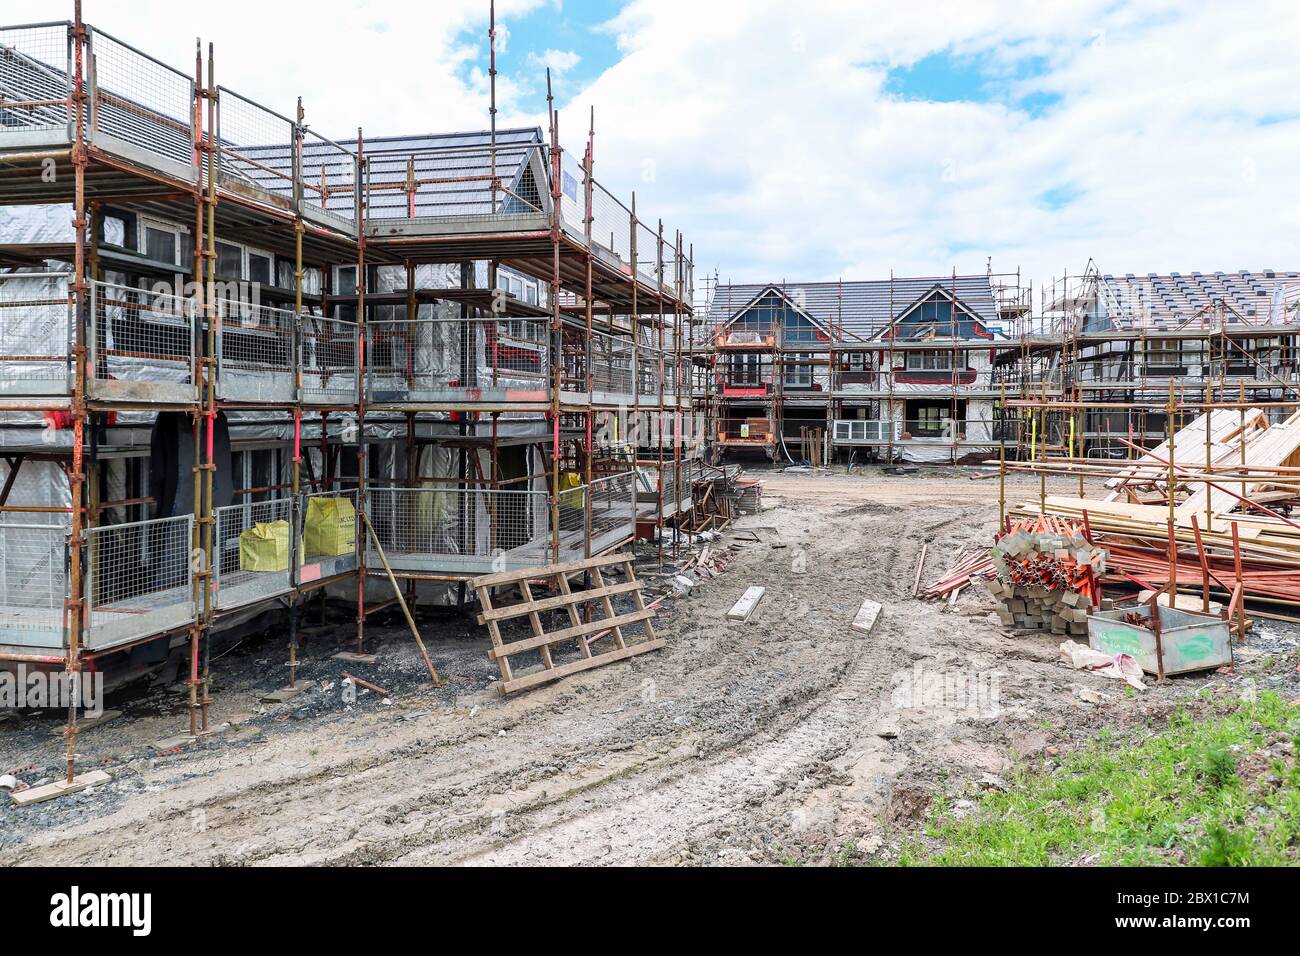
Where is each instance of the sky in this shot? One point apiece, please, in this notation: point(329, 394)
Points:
point(821, 140)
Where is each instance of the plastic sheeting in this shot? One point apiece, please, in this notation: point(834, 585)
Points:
point(37, 225)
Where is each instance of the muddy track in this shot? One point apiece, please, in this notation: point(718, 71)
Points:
point(761, 736)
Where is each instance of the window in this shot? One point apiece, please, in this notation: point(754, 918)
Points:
point(259, 267)
point(163, 242)
point(230, 261)
point(929, 361)
point(798, 374)
point(930, 421)
point(854, 362)
point(345, 280)
point(745, 370)
point(1164, 352)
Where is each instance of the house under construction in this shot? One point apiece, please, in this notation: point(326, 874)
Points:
point(1103, 351)
point(899, 369)
point(947, 369)
point(230, 346)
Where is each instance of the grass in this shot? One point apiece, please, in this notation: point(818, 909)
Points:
point(1180, 795)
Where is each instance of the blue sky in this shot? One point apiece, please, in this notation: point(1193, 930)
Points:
point(830, 138)
point(569, 27)
point(984, 77)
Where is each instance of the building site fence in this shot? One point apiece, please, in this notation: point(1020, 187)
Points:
point(33, 582)
point(446, 528)
point(255, 146)
point(35, 81)
point(449, 528)
point(654, 371)
point(254, 552)
point(36, 321)
point(673, 484)
point(257, 352)
point(456, 184)
point(139, 580)
point(647, 253)
point(610, 359)
point(329, 356)
point(612, 516)
point(408, 359)
point(944, 430)
point(142, 344)
point(329, 175)
point(140, 105)
point(611, 224)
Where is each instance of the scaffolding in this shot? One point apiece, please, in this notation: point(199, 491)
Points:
point(457, 375)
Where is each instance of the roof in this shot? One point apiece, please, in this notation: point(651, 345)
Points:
point(461, 162)
point(1258, 296)
point(861, 308)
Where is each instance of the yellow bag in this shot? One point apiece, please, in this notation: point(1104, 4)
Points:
point(330, 527)
point(265, 547)
point(570, 498)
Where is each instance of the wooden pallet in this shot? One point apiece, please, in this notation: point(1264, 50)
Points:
point(596, 601)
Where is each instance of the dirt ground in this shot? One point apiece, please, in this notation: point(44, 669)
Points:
point(789, 738)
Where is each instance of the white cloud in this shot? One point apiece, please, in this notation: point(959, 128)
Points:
point(779, 156)
point(558, 62)
point(776, 152)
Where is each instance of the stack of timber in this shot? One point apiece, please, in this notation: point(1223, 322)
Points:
point(719, 494)
point(1274, 448)
point(1261, 552)
point(1146, 480)
point(1249, 461)
point(1223, 526)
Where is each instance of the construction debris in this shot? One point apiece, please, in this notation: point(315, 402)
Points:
point(374, 688)
point(1118, 666)
point(744, 609)
point(1045, 576)
point(588, 603)
point(868, 614)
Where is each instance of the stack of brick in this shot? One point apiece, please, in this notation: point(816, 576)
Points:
point(1040, 609)
point(1045, 576)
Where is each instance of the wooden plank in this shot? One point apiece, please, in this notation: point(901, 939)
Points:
point(92, 723)
point(584, 644)
point(567, 597)
point(639, 600)
point(544, 571)
point(569, 633)
point(744, 609)
point(352, 657)
point(535, 620)
point(574, 667)
point(609, 610)
point(920, 566)
point(59, 788)
point(494, 631)
point(868, 614)
point(285, 694)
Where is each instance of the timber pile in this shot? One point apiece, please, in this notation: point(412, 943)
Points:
point(718, 495)
point(1146, 481)
point(1045, 576)
point(1224, 534)
point(1257, 463)
point(1265, 549)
